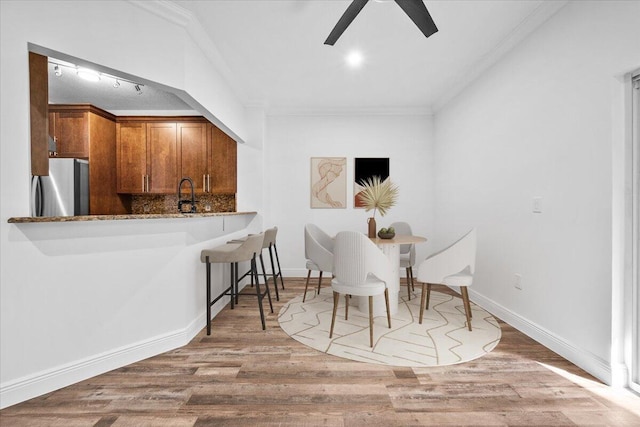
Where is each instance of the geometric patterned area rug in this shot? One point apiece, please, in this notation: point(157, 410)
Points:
point(442, 339)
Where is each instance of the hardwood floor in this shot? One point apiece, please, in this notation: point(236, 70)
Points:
point(243, 376)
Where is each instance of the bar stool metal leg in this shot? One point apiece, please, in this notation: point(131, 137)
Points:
point(275, 249)
point(208, 297)
point(254, 272)
point(235, 281)
point(232, 278)
point(264, 273)
point(260, 295)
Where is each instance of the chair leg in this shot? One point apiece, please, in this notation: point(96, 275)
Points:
point(336, 297)
point(467, 305)
point(386, 300)
point(268, 292)
point(413, 286)
point(370, 320)
point(306, 286)
point(275, 276)
point(254, 271)
point(266, 281)
point(319, 282)
point(234, 281)
point(346, 307)
point(424, 299)
point(275, 249)
point(209, 297)
point(408, 285)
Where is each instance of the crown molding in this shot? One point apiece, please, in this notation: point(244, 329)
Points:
point(531, 22)
point(356, 111)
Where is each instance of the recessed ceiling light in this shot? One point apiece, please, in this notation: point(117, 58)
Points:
point(354, 59)
point(87, 74)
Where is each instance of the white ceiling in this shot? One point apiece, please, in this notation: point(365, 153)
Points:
point(272, 53)
point(276, 55)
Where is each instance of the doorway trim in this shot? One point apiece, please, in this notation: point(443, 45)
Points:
point(623, 227)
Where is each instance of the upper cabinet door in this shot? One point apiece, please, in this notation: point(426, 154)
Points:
point(192, 143)
point(223, 159)
point(71, 133)
point(162, 158)
point(131, 149)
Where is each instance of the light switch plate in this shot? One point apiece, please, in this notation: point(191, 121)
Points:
point(537, 205)
point(518, 281)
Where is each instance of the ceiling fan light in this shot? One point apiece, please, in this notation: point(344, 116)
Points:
point(89, 75)
point(354, 59)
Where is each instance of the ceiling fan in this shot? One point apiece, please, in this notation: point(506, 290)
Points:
point(415, 9)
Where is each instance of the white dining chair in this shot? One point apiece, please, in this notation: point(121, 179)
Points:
point(360, 269)
point(407, 254)
point(318, 249)
point(451, 266)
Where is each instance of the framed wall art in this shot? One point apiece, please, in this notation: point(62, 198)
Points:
point(365, 168)
point(328, 182)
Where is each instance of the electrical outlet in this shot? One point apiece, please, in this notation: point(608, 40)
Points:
point(518, 282)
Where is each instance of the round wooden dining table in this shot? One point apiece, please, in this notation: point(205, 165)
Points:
point(391, 248)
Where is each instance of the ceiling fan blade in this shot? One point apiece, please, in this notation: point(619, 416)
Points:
point(347, 17)
point(417, 11)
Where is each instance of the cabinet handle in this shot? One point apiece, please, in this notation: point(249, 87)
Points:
point(204, 183)
point(147, 179)
point(209, 183)
point(143, 184)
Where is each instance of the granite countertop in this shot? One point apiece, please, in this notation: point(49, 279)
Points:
point(28, 219)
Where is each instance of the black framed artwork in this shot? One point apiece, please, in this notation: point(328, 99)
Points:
point(366, 168)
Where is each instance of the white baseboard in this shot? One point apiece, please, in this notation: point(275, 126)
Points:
point(586, 360)
point(31, 386)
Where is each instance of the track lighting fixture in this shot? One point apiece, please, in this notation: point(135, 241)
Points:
point(94, 76)
point(87, 74)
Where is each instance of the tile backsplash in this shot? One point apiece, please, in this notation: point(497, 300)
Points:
point(166, 204)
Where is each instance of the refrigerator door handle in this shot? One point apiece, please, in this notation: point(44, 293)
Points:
point(36, 197)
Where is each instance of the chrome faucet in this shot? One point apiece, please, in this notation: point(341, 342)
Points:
point(187, 201)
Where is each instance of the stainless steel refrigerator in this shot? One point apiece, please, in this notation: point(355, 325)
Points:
point(64, 192)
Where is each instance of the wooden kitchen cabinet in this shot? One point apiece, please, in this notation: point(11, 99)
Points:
point(147, 157)
point(222, 159)
point(162, 164)
point(155, 153)
point(70, 131)
point(131, 147)
point(192, 145)
point(85, 131)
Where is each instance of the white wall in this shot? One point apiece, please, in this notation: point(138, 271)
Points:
point(539, 124)
point(77, 299)
point(291, 141)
